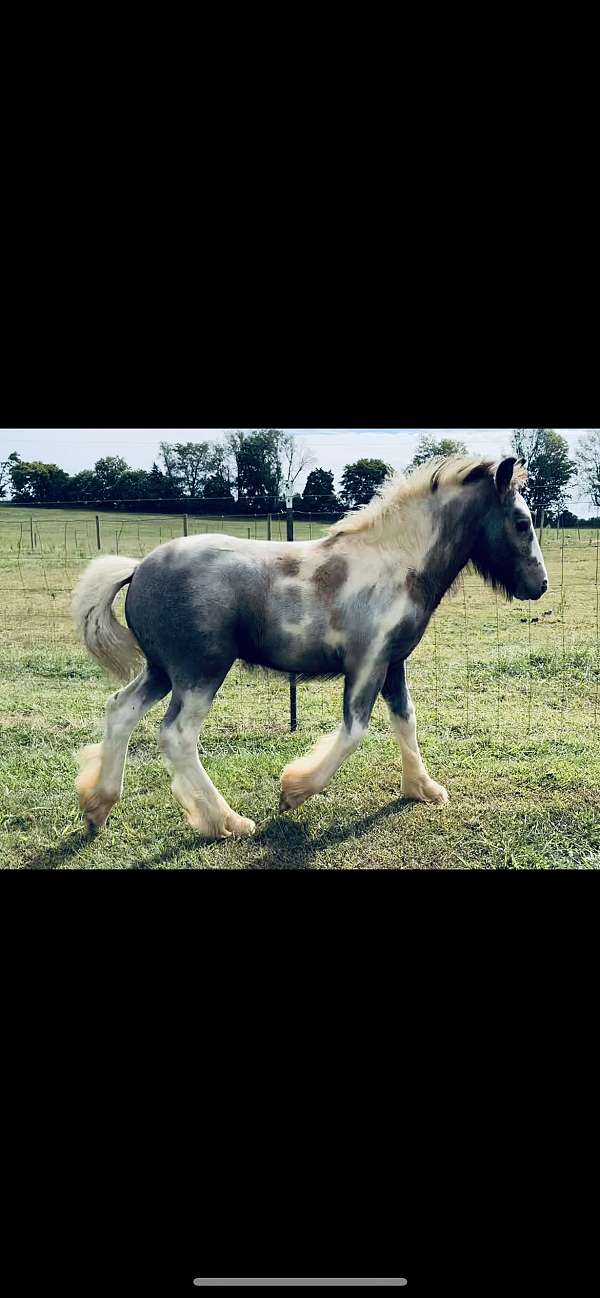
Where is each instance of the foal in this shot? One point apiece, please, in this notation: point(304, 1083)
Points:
point(355, 603)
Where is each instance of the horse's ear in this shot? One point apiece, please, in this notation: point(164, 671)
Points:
point(504, 474)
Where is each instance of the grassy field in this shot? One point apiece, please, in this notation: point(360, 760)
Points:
point(507, 699)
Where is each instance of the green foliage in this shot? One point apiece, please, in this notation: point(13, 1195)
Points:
point(549, 468)
point(35, 481)
point(429, 447)
point(361, 480)
point(187, 465)
point(588, 464)
point(319, 494)
point(258, 470)
point(109, 472)
point(5, 471)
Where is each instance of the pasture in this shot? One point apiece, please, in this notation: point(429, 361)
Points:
point(508, 713)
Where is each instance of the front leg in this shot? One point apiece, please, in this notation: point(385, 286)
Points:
point(416, 781)
point(312, 773)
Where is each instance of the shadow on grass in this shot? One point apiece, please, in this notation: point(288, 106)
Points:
point(290, 843)
point(292, 846)
point(53, 857)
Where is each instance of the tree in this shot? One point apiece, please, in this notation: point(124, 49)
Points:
point(588, 464)
point(428, 448)
point(109, 472)
point(187, 465)
point(295, 457)
point(549, 469)
point(5, 471)
point(258, 471)
point(37, 483)
point(83, 486)
point(218, 481)
point(361, 480)
point(160, 485)
point(319, 495)
point(136, 484)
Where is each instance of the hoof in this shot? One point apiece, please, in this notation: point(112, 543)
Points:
point(233, 826)
point(96, 809)
point(426, 790)
point(295, 788)
point(239, 826)
point(292, 798)
point(94, 804)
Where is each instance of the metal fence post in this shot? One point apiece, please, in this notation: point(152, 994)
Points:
point(269, 527)
point(185, 524)
point(289, 512)
point(98, 542)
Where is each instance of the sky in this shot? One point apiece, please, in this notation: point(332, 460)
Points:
point(75, 449)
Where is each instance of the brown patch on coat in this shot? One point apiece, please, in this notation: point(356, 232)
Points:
point(329, 576)
point(336, 621)
point(288, 566)
point(419, 588)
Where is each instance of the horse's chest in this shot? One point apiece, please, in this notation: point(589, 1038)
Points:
point(405, 636)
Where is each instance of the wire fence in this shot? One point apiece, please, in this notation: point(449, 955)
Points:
point(485, 666)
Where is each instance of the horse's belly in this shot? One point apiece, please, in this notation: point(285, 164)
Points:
point(285, 655)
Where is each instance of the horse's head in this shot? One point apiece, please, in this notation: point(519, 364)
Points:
point(506, 550)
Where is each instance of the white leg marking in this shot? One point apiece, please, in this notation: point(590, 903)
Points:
point(311, 774)
point(205, 808)
point(101, 766)
point(416, 781)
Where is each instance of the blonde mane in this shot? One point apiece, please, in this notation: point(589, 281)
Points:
point(453, 471)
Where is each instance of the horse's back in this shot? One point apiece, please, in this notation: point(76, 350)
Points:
point(197, 603)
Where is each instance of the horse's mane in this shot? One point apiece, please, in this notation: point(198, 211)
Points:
point(452, 471)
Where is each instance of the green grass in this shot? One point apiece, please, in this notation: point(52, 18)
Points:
point(508, 711)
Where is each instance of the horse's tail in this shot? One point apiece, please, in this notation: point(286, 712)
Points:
point(114, 645)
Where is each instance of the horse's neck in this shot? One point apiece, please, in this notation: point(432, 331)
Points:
point(457, 522)
point(434, 540)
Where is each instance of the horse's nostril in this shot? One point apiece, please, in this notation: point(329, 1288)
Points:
point(544, 585)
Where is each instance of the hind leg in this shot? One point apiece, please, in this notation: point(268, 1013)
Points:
point(205, 808)
point(100, 780)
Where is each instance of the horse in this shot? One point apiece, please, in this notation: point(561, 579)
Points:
point(354, 603)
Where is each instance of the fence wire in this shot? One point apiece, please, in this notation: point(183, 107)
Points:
point(484, 666)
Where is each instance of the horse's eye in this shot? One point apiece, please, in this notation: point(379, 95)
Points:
point(523, 525)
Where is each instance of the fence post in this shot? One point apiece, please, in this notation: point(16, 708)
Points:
point(31, 528)
point(98, 542)
point(268, 527)
point(289, 512)
point(185, 524)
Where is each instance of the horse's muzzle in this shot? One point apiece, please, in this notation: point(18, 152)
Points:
point(523, 591)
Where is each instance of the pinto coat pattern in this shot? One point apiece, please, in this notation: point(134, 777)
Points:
point(354, 603)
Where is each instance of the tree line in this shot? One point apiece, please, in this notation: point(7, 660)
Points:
point(259, 471)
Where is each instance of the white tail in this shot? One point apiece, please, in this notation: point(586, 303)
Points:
point(114, 645)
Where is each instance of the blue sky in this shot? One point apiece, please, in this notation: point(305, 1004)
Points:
point(75, 449)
